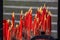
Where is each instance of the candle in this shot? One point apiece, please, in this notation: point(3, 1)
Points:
point(29, 23)
point(7, 32)
point(20, 26)
point(13, 19)
point(49, 23)
point(35, 25)
point(17, 31)
point(4, 29)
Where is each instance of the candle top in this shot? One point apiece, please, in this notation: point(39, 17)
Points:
point(16, 25)
point(44, 5)
point(49, 13)
point(40, 10)
point(13, 14)
point(21, 12)
point(36, 16)
point(30, 9)
point(8, 20)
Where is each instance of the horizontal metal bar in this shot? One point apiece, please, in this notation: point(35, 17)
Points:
point(51, 30)
point(54, 23)
point(51, 15)
point(23, 14)
point(17, 21)
point(36, 0)
point(27, 7)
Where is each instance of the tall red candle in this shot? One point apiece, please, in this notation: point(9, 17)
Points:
point(44, 9)
point(7, 27)
point(35, 25)
point(29, 23)
point(4, 29)
point(13, 20)
point(44, 24)
point(43, 19)
point(20, 29)
point(20, 26)
point(9, 35)
point(49, 23)
point(39, 13)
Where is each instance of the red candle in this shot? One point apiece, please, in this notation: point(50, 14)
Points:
point(32, 26)
point(9, 35)
point(20, 26)
point(41, 24)
point(44, 9)
point(39, 15)
point(30, 19)
point(4, 29)
point(35, 25)
point(17, 31)
point(7, 27)
point(26, 18)
point(20, 29)
point(13, 19)
point(49, 23)
point(25, 21)
point(43, 21)
point(29, 23)
point(44, 24)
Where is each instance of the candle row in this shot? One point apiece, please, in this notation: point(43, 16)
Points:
point(41, 22)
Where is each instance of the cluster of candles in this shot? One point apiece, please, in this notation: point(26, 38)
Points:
point(41, 22)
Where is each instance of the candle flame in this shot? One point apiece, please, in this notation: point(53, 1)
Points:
point(37, 9)
point(31, 12)
point(26, 13)
point(44, 5)
point(40, 9)
point(16, 25)
point(46, 10)
point(49, 13)
point(21, 12)
point(36, 16)
point(30, 9)
point(8, 20)
point(13, 14)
